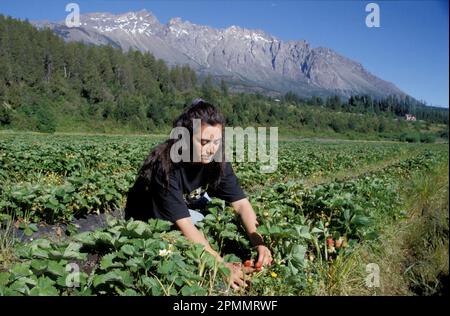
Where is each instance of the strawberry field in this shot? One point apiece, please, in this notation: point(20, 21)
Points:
point(325, 199)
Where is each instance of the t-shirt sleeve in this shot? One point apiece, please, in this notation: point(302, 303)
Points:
point(170, 202)
point(228, 189)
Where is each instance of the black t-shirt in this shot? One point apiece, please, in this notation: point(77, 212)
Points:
point(187, 183)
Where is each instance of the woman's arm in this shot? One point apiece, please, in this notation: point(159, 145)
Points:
point(248, 217)
point(191, 232)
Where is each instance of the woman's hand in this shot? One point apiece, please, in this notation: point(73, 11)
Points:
point(239, 276)
point(264, 257)
point(248, 218)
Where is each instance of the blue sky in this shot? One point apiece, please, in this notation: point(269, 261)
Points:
point(410, 48)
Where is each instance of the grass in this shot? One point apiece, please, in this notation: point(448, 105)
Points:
point(340, 276)
point(428, 240)
point(412, 254)
point(7, 242)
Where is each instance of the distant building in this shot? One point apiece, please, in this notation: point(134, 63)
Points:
point(410, 117)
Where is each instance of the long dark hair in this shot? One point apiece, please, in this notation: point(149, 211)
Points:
point(159, 157)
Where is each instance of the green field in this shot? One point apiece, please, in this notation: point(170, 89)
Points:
point(326, 213)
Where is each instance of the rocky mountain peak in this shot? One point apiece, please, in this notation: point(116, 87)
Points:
point(249, 58)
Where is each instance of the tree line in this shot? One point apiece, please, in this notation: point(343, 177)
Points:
point(395, 105)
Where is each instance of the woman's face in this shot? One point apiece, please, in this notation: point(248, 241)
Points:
point(207, 142)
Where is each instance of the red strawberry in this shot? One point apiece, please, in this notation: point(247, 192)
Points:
point(247, 264)
point(258, 265)
point(330, 242)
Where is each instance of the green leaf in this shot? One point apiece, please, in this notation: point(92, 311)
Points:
point(28, 231)
point(210, 217)
point(193, 290)
point(360, 220)
point(153, 285)
point(231, 258)
point(136, 262)
point(39, 265)
point(83, 292)
point(347, 214)
point(62, 280)
point(40, 253)
point(227, 234)
point(103, 237)
point(4, 278)
point(44, 287)
point(53, 201)
point(20, 286)
point(166, 267)
point(41, 243)
point(137, 227)
point(293, 269)
point(110, 276)
point(21, 270)
point(159, 225)
point(86, 238)
point(298, 255)
point(263, 229)
point(126, 278)
point(130, 292)
point(73, 251)
point(107, 262)
point(303, 232)
point(71, 229)
point(127, 249)
point(56, 269)
point(224, 270)
point(113, 276)
point(316, 230)
point(55, 254)
point(33, 227)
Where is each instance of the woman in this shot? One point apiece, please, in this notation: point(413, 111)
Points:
point(168, 190)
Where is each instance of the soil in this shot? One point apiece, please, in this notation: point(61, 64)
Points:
point(59, 231)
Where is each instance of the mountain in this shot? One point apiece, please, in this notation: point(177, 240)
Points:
point(246, 59)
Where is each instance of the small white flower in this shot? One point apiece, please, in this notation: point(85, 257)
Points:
point(164, 252)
